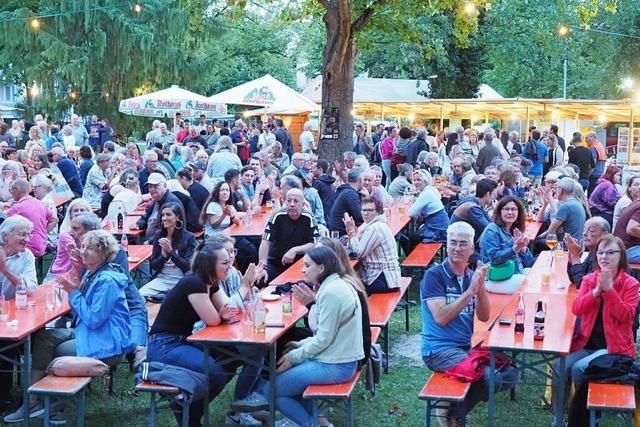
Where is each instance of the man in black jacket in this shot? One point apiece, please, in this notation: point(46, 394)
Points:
point(347, 201)
point(160, 195)
point(416, 146)
point(323, 182)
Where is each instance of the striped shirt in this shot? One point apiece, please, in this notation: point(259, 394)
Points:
point(376, 249)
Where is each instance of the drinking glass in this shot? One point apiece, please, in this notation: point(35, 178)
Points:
point(270, 204)
point(4, 308)
point(287, 304)
point(50, 299)
point(552, 241)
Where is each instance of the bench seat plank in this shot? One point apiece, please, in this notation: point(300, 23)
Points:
point(611, 396)
point(441, 387)
point(421, 255)
point(382, 306)
point(146, 386)
point(59, 386)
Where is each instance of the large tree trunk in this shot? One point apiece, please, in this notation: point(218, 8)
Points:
point(336, 128)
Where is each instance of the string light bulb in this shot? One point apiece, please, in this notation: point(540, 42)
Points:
point(35, 90)
point(470, 8)
point(137, 8)
point(35, 23)
point(72, 95)
point(563, 30)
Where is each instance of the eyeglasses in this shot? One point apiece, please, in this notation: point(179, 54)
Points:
point(607, 253)
point(367, 210)
point(510, 209)
point(232, 252)
point(461, 245)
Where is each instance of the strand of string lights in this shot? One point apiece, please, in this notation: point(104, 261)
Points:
point(35, 20)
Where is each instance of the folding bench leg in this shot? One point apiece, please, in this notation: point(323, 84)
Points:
point(152, 411)
point(349, 411)
point(406, 310)
point(428, 417)
point(47, 410)
point(81, 409)
point(315, 412)
point(592, 418)
point(386, 347)
point(185, 413)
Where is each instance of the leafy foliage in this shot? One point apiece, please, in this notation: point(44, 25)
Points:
point(526, 53)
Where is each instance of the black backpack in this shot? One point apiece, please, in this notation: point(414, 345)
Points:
point(531, 150)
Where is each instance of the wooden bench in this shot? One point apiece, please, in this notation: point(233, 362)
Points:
point(610, 400)
point(61, 388)
point(440, 388)
point(382, 306)
point(634, 266)
point(166, 391)
point(338, 394)
point(421, 256)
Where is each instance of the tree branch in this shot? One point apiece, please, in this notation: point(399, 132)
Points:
point(364, 17)
point(324, 3)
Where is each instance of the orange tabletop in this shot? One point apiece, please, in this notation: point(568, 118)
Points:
point(60, 200)
point(129, 226)
point(481, 329)
point(294, 272)
point(256, 229)
point(31, 319)
point(559, 324)
point(140, 209)
point(240, 333)
point(398, 221)
point(559, 283)
point(533, 227)
point(138, 254)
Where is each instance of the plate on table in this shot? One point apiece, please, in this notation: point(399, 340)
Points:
point(133, 259)
point(270, 297)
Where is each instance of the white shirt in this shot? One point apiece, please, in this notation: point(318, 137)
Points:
point(22, 264)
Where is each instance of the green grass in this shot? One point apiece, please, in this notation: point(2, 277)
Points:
point(395, 404)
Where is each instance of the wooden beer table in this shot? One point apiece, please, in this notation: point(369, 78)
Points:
point(294, 272)
point(559, 327)
point(225, 337)
point(29, 320)
point(129, 227)
point(255, 229)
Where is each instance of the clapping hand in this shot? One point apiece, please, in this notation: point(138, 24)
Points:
point(349, 223)
point(165, 244)
point(477, 281)
point(252, 274)
point(574, 248)
point(69, 281)
point(520, 240)
point(303, 294)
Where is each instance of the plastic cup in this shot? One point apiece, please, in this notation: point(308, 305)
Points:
point(546, 278)
point(50, 300)
point(4, 309)
point(287, 305)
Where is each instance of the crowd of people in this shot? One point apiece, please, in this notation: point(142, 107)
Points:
point(472, 191)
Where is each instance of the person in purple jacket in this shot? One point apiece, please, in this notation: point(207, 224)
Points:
point(605, 195)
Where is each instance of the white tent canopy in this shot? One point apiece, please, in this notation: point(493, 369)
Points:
point(366, 90)
point(168, 102)
point(270, 94)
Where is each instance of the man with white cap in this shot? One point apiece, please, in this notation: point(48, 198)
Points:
point(160, 195)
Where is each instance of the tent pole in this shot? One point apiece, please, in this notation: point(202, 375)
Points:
point(441, 118)
point(486, 119)
point(382, 113)
point(526, 127)
point(630, 148)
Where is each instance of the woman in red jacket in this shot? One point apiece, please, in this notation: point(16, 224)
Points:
point(606, 302)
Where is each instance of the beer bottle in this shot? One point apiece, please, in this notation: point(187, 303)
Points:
point(538, 322)
point(519, 327)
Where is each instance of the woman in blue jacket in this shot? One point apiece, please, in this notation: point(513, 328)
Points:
point(503, 240)
point(101, 316)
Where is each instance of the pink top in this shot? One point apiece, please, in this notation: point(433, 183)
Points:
point(38, 214)
point(62, 263)
point(386, 148)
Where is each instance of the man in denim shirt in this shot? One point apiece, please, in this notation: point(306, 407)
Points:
point(450, 294)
